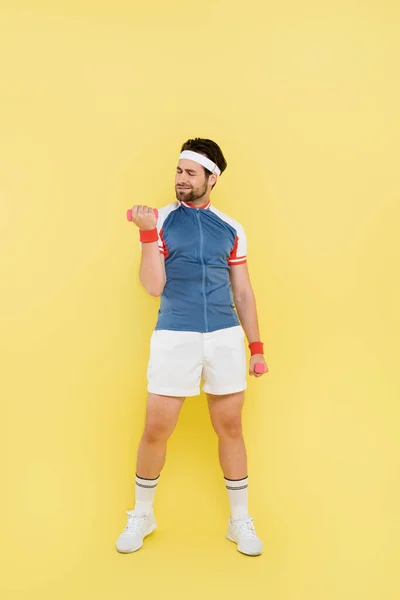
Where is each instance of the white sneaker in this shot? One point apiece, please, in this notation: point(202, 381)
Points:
point(138, 527)
point(243, 533)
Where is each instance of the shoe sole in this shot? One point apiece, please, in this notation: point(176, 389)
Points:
point(148, 532)
point(233, 539)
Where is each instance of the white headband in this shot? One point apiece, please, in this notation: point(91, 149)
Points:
point(202, 160)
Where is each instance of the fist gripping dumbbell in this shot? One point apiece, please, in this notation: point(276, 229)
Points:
point(129, 214)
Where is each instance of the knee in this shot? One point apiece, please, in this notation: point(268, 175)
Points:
point(155, 431)
point(229, 428)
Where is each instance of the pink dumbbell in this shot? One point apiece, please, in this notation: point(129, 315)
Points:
point(129, 214)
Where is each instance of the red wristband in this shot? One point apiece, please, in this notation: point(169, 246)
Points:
point(148, 235)
point(256, 348)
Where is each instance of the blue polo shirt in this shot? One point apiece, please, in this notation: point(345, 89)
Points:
point(200, 246)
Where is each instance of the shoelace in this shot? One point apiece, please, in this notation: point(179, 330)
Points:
point(134, 524)
point(246, 528)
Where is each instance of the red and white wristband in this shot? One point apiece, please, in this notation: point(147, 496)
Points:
point(148, 235)
point(256, 348)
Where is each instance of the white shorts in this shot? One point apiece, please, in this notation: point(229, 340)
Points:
point(180, 360)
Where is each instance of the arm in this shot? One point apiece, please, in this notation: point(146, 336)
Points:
point(245, 303)
point(152, 269)
point(152, 266)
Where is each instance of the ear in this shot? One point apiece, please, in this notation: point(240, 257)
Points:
point(213, 179)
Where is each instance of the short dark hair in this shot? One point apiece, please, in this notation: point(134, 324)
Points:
point(210, 149)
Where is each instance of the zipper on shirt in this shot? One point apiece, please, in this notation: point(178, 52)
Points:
point(204, 269)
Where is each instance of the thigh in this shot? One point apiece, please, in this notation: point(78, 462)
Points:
point(225, 367)
point(162, 413)
point(176, 363)
point(226, 411)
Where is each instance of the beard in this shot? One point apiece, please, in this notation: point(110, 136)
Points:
point(189, 194)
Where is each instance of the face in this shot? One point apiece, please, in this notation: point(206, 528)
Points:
point(191, 182)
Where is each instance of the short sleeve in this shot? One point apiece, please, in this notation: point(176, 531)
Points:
point(162, 246)
point(238, 255)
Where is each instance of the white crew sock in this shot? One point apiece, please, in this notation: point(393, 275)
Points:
point(145, 490)
point(238, 497)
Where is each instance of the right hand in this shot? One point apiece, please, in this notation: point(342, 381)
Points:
point(144, 217)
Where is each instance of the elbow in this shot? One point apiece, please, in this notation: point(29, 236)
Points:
point(156, 293)
point(243, 296)
point(237, 298)
point(153, 289)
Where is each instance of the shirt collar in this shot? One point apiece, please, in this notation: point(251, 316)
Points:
point(207, 205)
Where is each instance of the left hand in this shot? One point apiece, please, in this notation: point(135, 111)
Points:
point(257, 358)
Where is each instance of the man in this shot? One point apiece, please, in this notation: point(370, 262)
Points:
point(194, 257)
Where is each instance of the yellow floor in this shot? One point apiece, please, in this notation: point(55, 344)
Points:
point(323, 500)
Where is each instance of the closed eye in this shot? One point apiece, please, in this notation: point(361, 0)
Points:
point(188, 171)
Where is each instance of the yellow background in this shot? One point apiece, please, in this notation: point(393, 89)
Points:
point(96, 99)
